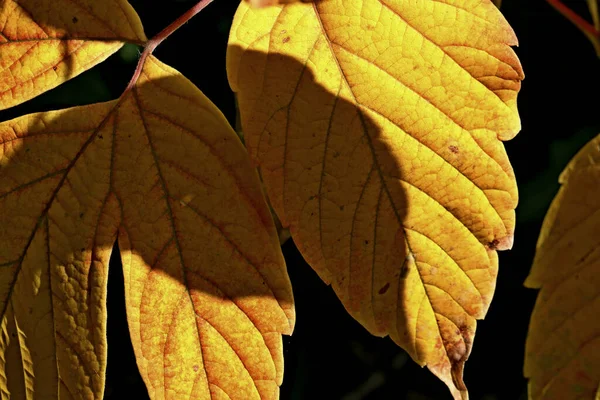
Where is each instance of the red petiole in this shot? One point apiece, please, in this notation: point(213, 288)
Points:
point(153, 43)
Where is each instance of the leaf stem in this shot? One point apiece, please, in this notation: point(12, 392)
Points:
point(153, 43)
point(575, 18)
point(584, 26)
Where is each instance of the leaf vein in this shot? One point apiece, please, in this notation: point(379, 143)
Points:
point(407, 22)
point(33, 182)
point(233, 245)
point(51, 295)
point(219, 332)
point(168, 206)
point(449, 256)
point(456, 169)
point(82, 362)
point(323, 168)
point(373, 262)
point(449, 294)
point(352, 233)
point(222, 162)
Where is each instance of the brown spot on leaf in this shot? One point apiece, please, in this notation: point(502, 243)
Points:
point(467, 335)
point(286, 39)
point(384, 288)
point(457, 354)
point(504, 243)
point(453, 149)
point(196, 368)
point(456, 350)
point(75, 20)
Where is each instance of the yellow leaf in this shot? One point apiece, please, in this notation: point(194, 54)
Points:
point(44, 43)
point(207, 293)
point(563, 344)
point(377, 125)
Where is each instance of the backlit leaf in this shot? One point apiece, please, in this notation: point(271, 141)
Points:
point(160, 170)
point(44, 43)
point(562, 359)
point(377, 125)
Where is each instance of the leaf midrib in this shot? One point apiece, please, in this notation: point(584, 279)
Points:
point(375, 160)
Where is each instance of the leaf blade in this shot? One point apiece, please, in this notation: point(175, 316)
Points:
point(45, 43)
point(354, 115)
point(562, 346)
point(161, 171)
point(220, 148)
point(34, 191)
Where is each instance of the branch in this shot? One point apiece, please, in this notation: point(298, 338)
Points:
point(575, 18)
point(153, 43)
point(584, 26)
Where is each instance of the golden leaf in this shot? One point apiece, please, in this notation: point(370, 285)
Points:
point(563, 344)
point(44, 43)
point(377, 125)
point(207, 293)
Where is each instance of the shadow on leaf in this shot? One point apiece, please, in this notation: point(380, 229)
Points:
point(366, 202)
point(161, 172)
point(42, 48)
point(207, 294)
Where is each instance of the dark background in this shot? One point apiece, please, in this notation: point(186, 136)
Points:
point(330, 356)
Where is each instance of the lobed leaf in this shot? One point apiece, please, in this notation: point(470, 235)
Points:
point(377, 125)
point(563, 342)
point(44, 43)
point(207, 293)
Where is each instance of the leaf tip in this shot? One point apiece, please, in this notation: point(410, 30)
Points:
point(531, 282)
point(457, 375)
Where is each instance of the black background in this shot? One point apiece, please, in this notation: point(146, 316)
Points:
point(330, 356)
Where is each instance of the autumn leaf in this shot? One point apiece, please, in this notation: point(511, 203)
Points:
point(44, 43)
point(207, 293)
point(563, 344)
point(377, 126)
